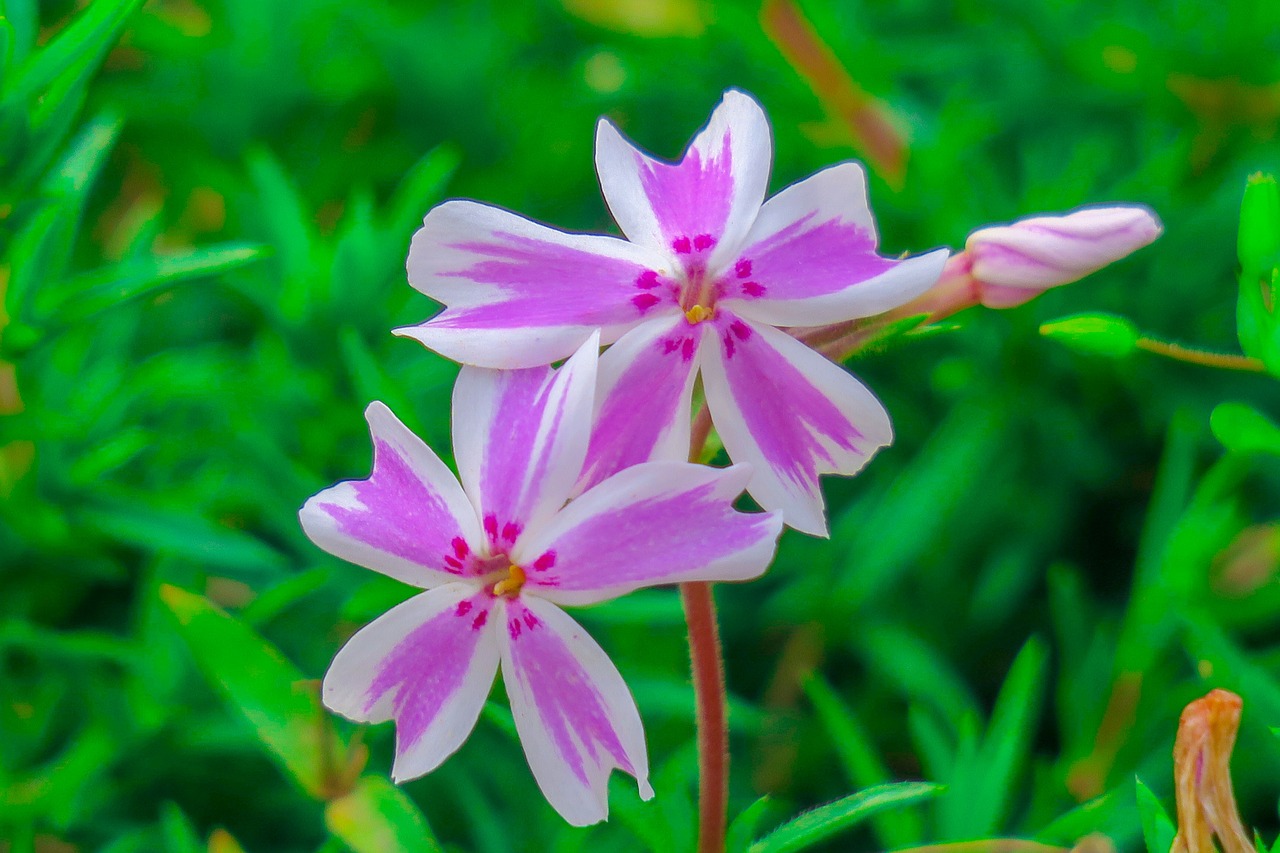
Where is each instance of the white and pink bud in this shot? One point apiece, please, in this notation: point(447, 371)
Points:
point(1012, 264)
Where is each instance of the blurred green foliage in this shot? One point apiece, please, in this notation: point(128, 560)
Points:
point(205, 207)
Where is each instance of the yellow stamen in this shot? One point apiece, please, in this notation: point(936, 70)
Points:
point(697, 314)
point(511, 585)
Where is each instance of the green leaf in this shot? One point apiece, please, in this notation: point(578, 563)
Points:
point(179, 835)
point(184, 533)
point(1008, 740)
point(84, 157)
point(1158, 830)
point(1257, 311)
point(1111, 814)
point(862, 766)
point(743, 827)
point(89, 294)
point(919, 670)
point(377, 817)
point(420, 188)
point(288, 223)
point(36, 255)
point(283, 595)
point(817, 825)
point(24, 17)
point(1259, 238)
point(80, 42)
point(1233, 669)
point(269, 692)
point(1243, 429)
point(369, 378)
point(1095, 334)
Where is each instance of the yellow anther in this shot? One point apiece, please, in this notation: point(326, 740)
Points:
point(511, 585)
point(697, 314)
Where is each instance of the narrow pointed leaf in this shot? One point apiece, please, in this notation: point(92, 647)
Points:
point(821, 823)
point(268, 691)
point(862, 766)
point(89, 294)
point(82, 41)
point(743, 827)
point(1157, 829)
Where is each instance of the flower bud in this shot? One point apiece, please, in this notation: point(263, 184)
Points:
point(1097, 334)
point(1014, 263)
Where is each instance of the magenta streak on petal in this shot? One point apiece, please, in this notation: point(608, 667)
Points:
point(399, 514)
point(809, 258)
point(544, 562)
point(565, 698)
point(626, 433)
point(650, 540)
point(425, 669)
point(542, 284)
point(691, 199)
point(509, 479)
point(784, 412)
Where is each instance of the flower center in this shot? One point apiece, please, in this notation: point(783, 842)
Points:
point(510, 585)
point(697, 314)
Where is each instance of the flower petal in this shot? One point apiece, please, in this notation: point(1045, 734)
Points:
point(642, 405)
point(520, 294)
point(409, 520)
point(792, 414)
point(429, 664)
point(656, 523)
point(520, 437)
point(712, 194)
point(576, 718)
point(810, 259)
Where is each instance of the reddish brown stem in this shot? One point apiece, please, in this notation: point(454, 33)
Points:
point(713, 729)
point(707, 667)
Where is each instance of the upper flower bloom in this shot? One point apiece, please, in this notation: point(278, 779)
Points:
point(497, 554)
point(1012, 264)
point(708, 271)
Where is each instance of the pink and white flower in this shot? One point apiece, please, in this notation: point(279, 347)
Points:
point(497, 554)
point(708, 270)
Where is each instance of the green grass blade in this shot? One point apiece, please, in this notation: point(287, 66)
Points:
point(266, 690)
point(1010, 734)
point(743, 827)
point(422, 187)
point(82, 41)
point(92, 293)
point(862, 766)
point(821, 823)
point(1157, 829)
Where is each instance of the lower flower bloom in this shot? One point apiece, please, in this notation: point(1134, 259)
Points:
point(498, 552)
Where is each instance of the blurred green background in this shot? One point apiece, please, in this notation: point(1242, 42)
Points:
point(205, 207)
